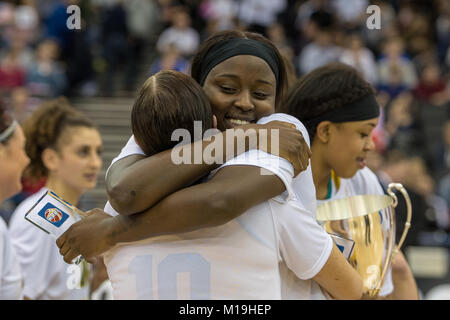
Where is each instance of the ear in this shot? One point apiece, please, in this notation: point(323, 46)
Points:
point(323, 131)
point(214, 122)
point(50, 159)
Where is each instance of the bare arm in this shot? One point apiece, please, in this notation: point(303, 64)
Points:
point(232, 191)
point(405, 287)
point(136, 183)
point(339, 278)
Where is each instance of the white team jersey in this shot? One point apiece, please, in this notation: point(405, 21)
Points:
point(46, 275)
point(238, 260)
point(363, 182)
point(11, 281)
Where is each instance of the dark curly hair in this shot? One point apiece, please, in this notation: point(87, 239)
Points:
point(330, 87)
point(282, 85)
point(44, 128)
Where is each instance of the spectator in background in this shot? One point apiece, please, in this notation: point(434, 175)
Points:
point(170, 60)
point(442, 27)
point(181, 34)
point(441, 156)
point(447, 59)
point(394, 57)
point(26, 20)
point(322, 49)
point(56, 27)
point(141, 17)
point(351, 13)
point(166, 10)
point(373, 37)
point(414, 25)
point(393, 85)
point(276, 33)
point(396, 168)
point(212, 27)
point(304, 12)
point(419, 180)
point(12, 75)
point(115, 36)
point(431, 87)
point(359, 57)
point(403, 129)
point(442, 164)
point(79, 62)
point(22, 104)
point(257, 15)
point(7, 20)
point(18, 48)
point(46, 78)
point(222, 13)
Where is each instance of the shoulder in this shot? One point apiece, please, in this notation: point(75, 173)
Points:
point(28, 203)
point(130, 148)
point(287, 118)
point(18, 221)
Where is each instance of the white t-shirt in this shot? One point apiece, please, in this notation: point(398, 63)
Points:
point(363, 182)
point(262, 12)
point(46, 275)
point(11, 281)
point(186, 40)
point(238, 260)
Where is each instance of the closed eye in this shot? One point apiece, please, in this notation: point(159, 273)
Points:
point(260, 95)
point(228, 90)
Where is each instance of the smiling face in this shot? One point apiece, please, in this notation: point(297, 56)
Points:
point(241, 90)
point(347, 146)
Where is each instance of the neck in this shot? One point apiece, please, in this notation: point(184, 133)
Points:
point(321, 174)
point(66, 192)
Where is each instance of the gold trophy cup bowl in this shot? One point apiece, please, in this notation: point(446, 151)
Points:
point(369, 222)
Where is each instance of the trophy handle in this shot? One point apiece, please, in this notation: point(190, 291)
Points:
point(399, 187)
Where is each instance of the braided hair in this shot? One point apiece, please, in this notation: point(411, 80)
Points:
point(45, 128)
point(330, 87)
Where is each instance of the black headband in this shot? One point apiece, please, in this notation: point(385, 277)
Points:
point(235, 47)
point(363, 109)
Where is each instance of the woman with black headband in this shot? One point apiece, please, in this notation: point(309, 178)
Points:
point(236, 260)
point(13, 161)
point(241, 87)
point(339, 110)
point(244, 78)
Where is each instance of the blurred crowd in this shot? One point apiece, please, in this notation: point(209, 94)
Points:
point(407, 60)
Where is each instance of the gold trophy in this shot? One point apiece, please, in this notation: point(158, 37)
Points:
point(364, 227)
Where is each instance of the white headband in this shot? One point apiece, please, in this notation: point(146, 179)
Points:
point(9, 131)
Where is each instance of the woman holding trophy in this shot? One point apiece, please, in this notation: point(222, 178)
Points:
point(339, 109)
